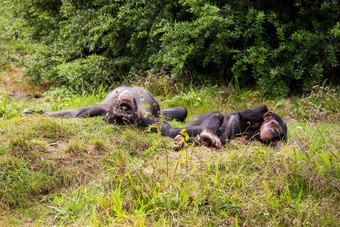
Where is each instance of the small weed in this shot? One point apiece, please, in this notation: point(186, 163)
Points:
point(99, 145)
point(3, 107)
point(321, 104)
point(75, 148)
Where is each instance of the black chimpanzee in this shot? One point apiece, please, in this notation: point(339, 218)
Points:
point(273, 129)
point(213, 128)
point(126, 105)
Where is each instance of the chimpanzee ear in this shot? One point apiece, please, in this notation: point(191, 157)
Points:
point(268, 114)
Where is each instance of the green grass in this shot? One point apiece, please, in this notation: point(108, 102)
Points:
point(78, 172)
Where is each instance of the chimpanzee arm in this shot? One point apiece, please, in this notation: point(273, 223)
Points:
point(65, 114)
point(91, 111)
point(283, 125)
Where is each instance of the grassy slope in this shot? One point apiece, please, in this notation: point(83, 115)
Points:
point(86, 172)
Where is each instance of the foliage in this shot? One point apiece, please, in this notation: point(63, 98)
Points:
point(13, 34)
point(282, 45)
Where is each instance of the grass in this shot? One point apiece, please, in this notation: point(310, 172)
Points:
point(79, 172)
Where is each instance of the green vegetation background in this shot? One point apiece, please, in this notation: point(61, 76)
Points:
point(284, 46)
point(203, 55)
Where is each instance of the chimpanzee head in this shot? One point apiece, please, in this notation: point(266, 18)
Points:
point(271, 129)
point(123, 110)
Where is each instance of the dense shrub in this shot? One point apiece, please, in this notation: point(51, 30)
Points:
point(282, 45)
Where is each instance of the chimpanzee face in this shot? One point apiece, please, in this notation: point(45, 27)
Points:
point(123, 110)
point(271, 130)
point(122, 113)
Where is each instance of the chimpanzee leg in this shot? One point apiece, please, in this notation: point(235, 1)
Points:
point(213, 122)
point(203, 133)
point(92, 111)
point(230, 128)
point(175, 113)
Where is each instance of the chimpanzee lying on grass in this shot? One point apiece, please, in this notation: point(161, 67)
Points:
point(135, 105)
point(127, 105)
point(213, 128)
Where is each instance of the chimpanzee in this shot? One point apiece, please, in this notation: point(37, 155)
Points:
point(213, 128)
point(124, 105)
point(135, 105)
point(273, 129)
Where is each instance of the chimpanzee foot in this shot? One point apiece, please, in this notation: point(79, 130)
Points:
point(208, 137)
point(27, 112)
point(199, 141)
point(179, 143)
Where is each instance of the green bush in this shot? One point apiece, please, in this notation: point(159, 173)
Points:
point(83, 72)
point(283, 45)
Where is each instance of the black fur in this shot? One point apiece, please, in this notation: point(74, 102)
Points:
point(133, 105)
point(228, 126)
